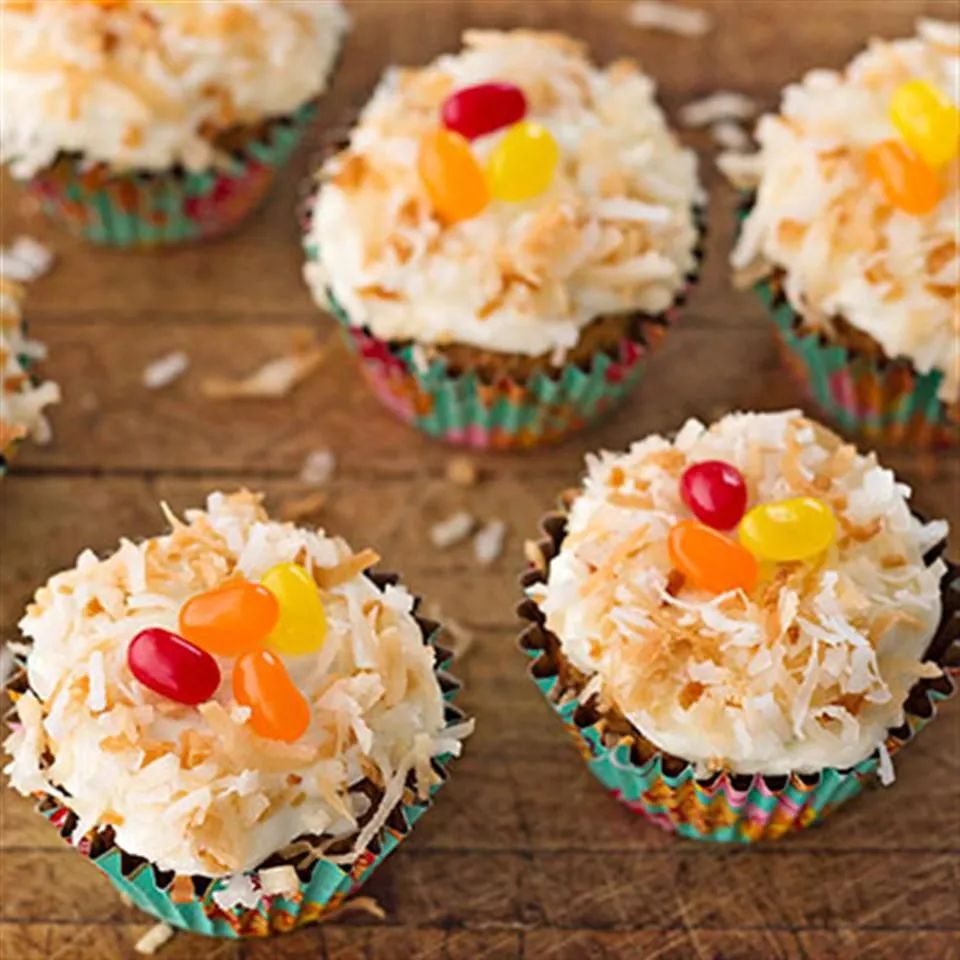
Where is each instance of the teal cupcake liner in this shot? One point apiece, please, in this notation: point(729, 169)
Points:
point(886, 400)
point(142, 210)
point(191, 903)
point(724, 807)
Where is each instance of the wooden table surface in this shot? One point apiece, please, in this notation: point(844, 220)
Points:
point(524, 855)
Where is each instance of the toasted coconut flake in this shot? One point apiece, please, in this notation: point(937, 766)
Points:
point(730, 135)
point(164, 370)
point(282, 881)
point(26, 260)
point(488, 542)
point(452, 530)
point(462, 472)
point(669, 17)
point(307, 507)
point(154, 939)
point(318, 467)
point(276, 378)
point(722, 105)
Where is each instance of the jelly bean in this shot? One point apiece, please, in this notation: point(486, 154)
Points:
point(928, 122)
point(302, 625)
point(481, 109)
point(172, 666)
point(452, 176)
point(795, 529)
point(715, 492)
point(230, 619)
point(907, 182)
point(523, 163)
point(278, 710)
point(710, 560)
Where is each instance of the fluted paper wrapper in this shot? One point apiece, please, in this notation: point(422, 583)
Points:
point(137, 210)
point(321, 891)
point(724, 807)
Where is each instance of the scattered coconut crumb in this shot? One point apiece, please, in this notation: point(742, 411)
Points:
point(456, 636)
point(279, 880)
point(722, 105)
point(6, 664)
point(164, 370)
point(885, 770)
point(303, 508)
point(26, 260)
point(367, 905)
point(276, 378)
point(730, 135)
point(488, 542)
point(659, 15)
point(451, 531)
point(462, 472)
point(154, 939)
point(318, 467)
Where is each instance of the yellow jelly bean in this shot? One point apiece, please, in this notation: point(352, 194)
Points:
point(927, 121)
point(302, 624)
point(523, 163)
point(788, 530)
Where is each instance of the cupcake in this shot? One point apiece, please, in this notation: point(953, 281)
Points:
point(148, 123)
point(741, 625)
point(508, 232)
point(850, 234)
point(22, 399)
point(236, 721)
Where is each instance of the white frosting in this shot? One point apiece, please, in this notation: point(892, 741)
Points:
point(148, 85)
point(846, 251)
point(21, 400)
point(194, 789)
point(807, 672)
point(613, 233)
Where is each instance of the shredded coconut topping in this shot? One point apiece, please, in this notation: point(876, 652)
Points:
point(808, 671)
point(21, 401)
point(846, 251)
point(194, 789)
point(613, 233)
point(150, 84)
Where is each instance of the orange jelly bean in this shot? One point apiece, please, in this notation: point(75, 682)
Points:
point(907, 182)
point(278, 709)
point(710, 560)
point(452, 176)
point(231, 619)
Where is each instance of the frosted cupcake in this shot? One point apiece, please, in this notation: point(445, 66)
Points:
point(149, 123)
point(22, 399)
point(235, 721)
point(740, 625)
point(506, 235)
point(850, 233)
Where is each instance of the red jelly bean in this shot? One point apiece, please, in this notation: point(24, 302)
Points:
point(171, 666)
point(230, 619)
point(481, 109)
point(715, 492)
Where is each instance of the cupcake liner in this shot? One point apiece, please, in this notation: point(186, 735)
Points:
point(724, 807)
point(138, 209)
point(885, 400)
point(190, 903)
point(466, 409)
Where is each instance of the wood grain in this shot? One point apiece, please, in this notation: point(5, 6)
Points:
point(524, 856)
